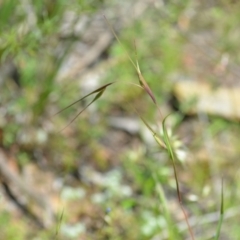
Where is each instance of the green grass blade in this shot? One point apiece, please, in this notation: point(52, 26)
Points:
point(221, 214)
point(172, 231)
point(59, 222)
point(172, 157)
point(120, 43)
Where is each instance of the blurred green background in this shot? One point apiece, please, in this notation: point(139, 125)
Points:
point(102, 176)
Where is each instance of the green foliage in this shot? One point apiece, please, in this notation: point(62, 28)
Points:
point(10, 228)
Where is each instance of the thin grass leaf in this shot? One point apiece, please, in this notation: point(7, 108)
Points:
point(59, 222)
point(172, 157)
point(120, 43)
point(171, 154)
point(99, 93)
point(221, 214)
point(171, 228)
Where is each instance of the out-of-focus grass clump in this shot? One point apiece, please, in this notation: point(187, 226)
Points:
point(126, 190)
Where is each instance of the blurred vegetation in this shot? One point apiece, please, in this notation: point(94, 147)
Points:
point(135, 197)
